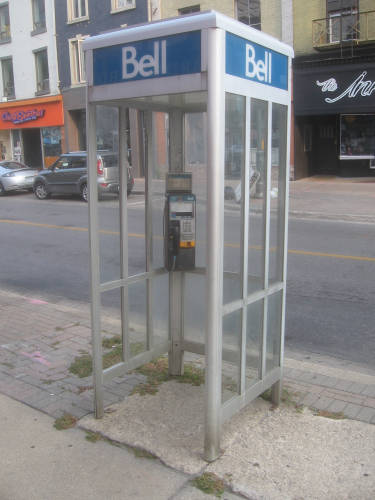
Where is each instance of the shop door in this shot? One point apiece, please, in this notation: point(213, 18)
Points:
point(326, 155)
point(32, 149)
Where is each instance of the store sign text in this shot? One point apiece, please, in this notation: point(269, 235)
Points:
point(251, 61)
point(147, 65)
point(172, 55)
point(18, 117)
point(259, 69)
point(359, 86)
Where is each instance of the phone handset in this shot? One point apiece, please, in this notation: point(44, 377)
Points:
point(174, 240)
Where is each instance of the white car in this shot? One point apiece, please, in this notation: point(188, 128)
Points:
point(16, 176)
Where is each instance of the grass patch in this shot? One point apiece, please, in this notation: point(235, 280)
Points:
point(93, 437)
point(157, 372)
point(110, 342)
point(210, 484)
point(139, 453)
point(82, 365)
point(329, 414)
point(67, 421)
point(286, 397)
point(8, 365)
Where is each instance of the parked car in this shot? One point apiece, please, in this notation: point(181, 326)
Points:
point(15, 176)
point(68, 175)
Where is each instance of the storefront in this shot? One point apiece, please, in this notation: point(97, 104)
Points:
point(31, 130)
point(334, 109)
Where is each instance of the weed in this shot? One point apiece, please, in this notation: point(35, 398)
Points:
point(209, 483)
point(8, 365)
point(55, 344)
point(93, 437)
point(83, 388)
point(81, 366)
point(286, 397)
point(157, 372)
point(329, 414)
point(110, 342)
point(65, 422)
point(139, 453)
point(59, 329)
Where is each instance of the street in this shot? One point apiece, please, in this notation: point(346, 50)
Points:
point(44, 248)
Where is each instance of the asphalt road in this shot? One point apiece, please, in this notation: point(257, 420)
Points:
point(330, 293)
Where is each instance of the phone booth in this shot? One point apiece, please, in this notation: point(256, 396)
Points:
point(198, 266)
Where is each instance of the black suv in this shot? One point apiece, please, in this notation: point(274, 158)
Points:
point(68, 175)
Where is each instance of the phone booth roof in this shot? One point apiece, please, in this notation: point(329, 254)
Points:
point(170, 56)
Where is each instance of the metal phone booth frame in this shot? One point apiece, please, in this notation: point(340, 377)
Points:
point(233, 82)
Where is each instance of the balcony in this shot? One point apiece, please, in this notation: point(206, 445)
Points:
point(347, 28)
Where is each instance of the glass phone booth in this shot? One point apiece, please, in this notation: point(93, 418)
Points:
point(198, 266)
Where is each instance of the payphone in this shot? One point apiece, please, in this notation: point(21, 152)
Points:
point(179, 225)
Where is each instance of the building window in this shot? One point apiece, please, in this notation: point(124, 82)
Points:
point(8, 80)
point(120, 5)
point(77, 61)
point(4, 23)
point(189, 10)
point(342, 20)
point(39, 16)
point(41, 70)
point(77, 10)
point(357, 136)
point(248, 12)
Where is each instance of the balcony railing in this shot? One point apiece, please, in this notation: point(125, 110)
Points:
point(342, 29)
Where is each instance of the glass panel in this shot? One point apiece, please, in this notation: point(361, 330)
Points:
point(159, 169)
point(254, 333)
point(51, 137)
point(39, 16)
point(160, 308)
point(106, 166)
point(8, 79)
point(277, 192)
point(137, 299)
point(273, 331)
point(357, 135)
point(4, 23)
point(42, 74)
point(194, 307)
point(232, 325)
point(235, 110)
point(111, 328)
point(83, 8)
point(258, 186)
point(195, 161)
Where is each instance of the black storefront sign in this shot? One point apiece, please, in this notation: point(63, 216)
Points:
point(327, 90)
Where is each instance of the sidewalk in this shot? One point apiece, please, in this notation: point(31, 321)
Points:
point(278, 454)
point(324, 197)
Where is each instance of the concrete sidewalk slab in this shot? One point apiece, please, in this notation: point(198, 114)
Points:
point(333, 198)
point(38, 462)
point(282, 453)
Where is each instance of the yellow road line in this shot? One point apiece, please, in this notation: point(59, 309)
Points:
point(230, 245)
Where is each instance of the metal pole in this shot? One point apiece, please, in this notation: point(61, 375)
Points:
point(94, 258)
point(123, 199)
point(215, 243)
point(176, 278)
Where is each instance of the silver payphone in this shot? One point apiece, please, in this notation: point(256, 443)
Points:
point(179, 226)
